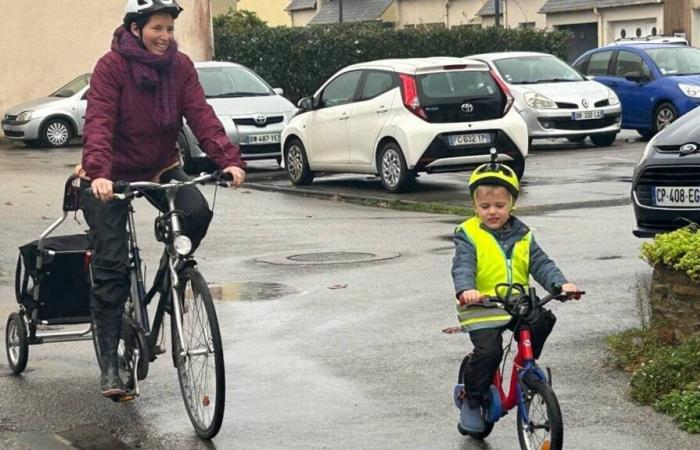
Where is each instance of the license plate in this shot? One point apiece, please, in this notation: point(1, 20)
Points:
point(679, 196)
point(587, 115)
point(263, 139)
point(469, 139)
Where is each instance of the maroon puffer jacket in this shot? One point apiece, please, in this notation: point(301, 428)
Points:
point(122, 141)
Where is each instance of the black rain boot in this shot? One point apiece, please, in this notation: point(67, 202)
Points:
point(107, 342)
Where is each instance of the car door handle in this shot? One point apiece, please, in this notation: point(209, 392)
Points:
point(344, 116)
point(382, 110)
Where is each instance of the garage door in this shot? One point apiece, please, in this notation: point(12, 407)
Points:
point(632, 29)
point(584, 36)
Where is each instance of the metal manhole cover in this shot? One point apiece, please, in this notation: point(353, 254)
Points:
point(324, 258)
point(332, 257)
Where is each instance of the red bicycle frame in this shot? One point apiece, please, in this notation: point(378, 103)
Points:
point(524, 356)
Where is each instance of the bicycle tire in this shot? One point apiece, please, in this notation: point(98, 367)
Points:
point(197, 399)
point(539, 399)
point(489, 425)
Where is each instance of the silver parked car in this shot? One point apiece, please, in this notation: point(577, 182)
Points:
point(253, 113)
point(52, 120)
point(554, 99)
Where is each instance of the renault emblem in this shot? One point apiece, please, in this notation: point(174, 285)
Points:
point(260, 119)
point(584, 102)
point(687, 149)
point(467, 108)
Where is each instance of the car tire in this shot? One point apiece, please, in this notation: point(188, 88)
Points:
point(518, 166)
point(664, 115)
point(392, 168)
point(577, 139)
point(297, 163)
point(56, 133)
point(188, 163)
point(603, 140)
point(645, 134)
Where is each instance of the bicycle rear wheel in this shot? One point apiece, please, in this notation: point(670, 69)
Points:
point(544, 429)
point(200, 366)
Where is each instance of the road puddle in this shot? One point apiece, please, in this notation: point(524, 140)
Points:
point(251, 291)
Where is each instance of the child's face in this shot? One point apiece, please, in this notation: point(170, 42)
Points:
point(492, 205)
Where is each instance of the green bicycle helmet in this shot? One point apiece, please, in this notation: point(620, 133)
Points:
point(494, 173)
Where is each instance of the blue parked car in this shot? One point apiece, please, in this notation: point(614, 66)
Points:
point(656, 83)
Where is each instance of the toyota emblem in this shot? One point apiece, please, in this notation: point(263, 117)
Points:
point(687, 149)
point(584, 102)
point(467, 108)
point(260, 119)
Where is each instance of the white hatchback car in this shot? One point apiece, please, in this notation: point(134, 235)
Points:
point(402, 116)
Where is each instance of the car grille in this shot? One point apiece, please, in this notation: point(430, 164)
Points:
point(440, 147)
point(14, 134)
point(10, 118)
point(251, 121)
point(665, 176)
point(601, 103)
point(567, 105)
point(566, 123)
point(670, 148)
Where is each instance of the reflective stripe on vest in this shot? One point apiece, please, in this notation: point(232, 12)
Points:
point(492, 268)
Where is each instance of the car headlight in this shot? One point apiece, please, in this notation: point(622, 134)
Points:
point(690, 90)
point(24, 116)
point(183, 245)
point(538, 101)
point(612, 98)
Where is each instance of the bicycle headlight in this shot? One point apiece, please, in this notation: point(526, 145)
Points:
point(538, 101)
point(183, 245)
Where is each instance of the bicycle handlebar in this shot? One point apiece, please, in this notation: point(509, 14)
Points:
point(509, 301)
point(128, 190)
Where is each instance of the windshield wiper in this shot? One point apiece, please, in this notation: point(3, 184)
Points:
point(239, 94)
point(557, 80)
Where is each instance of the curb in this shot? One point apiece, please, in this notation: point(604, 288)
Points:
point(431, 207)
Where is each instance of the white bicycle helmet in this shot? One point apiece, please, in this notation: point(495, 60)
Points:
point(137, 9)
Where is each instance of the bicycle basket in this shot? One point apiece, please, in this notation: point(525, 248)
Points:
point(64, 289)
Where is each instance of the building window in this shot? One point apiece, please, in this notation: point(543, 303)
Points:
point(526, 25)
point(638, 32)
point(623, 33)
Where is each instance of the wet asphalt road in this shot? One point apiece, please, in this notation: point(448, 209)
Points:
point(344, 356)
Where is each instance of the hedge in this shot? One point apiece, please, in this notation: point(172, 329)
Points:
point(300, 59)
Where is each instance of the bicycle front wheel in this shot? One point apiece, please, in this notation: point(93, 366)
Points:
point(200, 363)
point(544, 429)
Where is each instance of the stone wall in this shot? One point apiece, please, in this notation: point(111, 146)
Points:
point(675, 304)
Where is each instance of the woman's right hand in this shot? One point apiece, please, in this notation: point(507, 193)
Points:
point(102, 189)
point(470, 297)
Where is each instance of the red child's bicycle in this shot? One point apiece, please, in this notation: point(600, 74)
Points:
point(539, 421)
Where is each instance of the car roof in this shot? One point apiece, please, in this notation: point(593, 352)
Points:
point(419, 65)
point(504, 55)
point(207, 64)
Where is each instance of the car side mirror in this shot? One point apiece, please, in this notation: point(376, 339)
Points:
point(278, 91)
point(634, 77)
point(306, 103)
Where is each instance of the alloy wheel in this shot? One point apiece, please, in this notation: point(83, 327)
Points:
point(391, 167)
point(295, 161)
point(664, 118)
point(57, 133)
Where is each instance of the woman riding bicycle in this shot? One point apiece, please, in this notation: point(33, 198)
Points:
point(139, 93)
point(492, 248)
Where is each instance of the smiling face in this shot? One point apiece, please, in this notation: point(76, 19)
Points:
point(157, 34)
point(492, 204)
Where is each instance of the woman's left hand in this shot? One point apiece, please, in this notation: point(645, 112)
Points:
point(238, 175)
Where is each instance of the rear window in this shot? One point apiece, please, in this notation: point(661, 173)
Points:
point(450, 86)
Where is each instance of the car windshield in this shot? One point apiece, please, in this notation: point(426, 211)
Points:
point(536, 69)
point(673, 61)
point(226, 82)
point(73, 87)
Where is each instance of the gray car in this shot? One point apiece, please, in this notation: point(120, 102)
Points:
point(554, 99)
point(666, 182)
point(51, 121)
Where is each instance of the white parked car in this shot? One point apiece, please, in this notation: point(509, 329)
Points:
point(554, 99)
point(399, 117)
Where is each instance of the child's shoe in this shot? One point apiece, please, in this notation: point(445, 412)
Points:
point(470, 418)
point(458, 395)
point(495, 409)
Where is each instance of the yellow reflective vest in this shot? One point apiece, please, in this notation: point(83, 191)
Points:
point(493, 267)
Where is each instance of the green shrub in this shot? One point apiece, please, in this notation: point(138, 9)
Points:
point(629, 349)
point(678, 250)
point(300, 59)
point(684, 407)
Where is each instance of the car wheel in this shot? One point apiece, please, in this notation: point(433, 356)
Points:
point(392, 167)
point(188, 163)
point(645, 134)
point(518, 166)
point(56, 133)
point(603, 140)
point(297, 163)
point(577, 138)
point(664, 115)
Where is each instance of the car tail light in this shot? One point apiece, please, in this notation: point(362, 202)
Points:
point(409, 93)
point(506, 92)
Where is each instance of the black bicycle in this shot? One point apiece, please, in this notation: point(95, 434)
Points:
point(197, 351)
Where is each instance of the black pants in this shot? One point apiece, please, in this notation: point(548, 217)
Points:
point(110, 262)
point(488, 352)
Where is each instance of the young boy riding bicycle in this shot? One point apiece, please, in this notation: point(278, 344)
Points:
point(490, 248)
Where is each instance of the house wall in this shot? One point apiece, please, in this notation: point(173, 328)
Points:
point(519, 11)
point(219, 7)
point(416, 12)
point(678, 17)
point(642, 14)
point(43, 48)
point(463, 12)
point(302, 17)
point(271, 11)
